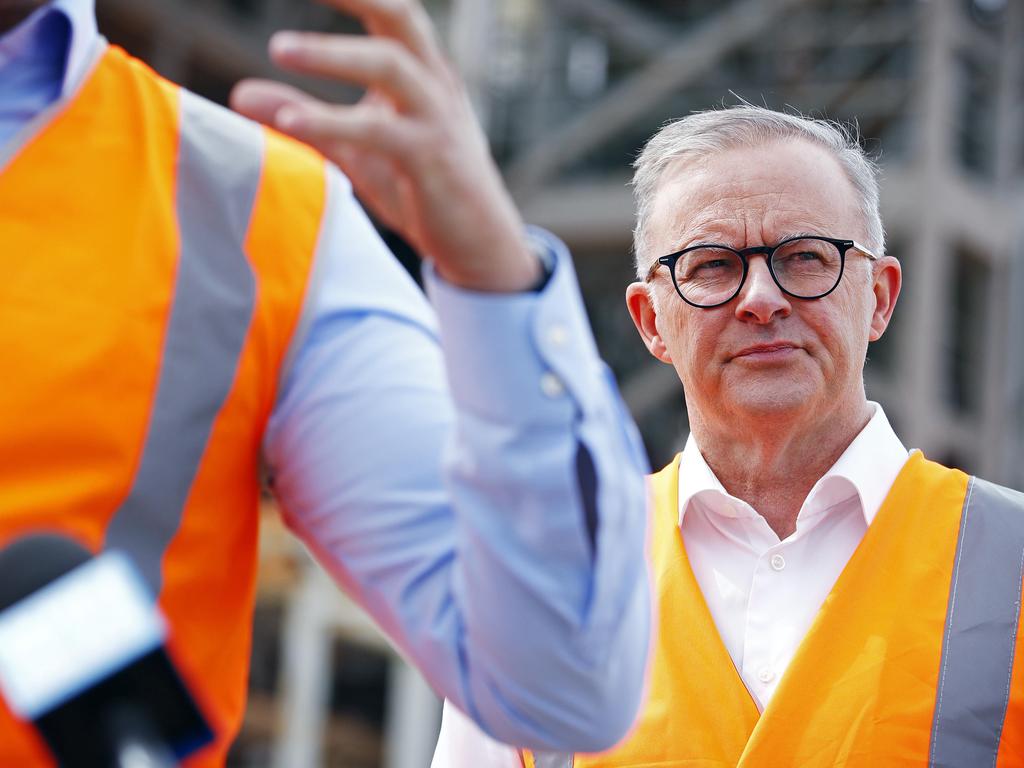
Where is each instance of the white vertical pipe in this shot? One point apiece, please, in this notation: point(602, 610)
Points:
point(412, 719)
point(471, 42)
point(305, 678)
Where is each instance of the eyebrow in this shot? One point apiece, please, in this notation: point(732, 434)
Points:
point(699, 240)
point(794, 235)
point(712, 241)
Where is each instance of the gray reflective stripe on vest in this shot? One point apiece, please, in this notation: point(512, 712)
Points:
point(981, 628)
point(552, 760)
point(219, 164)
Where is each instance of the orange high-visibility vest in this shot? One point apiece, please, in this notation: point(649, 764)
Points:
point(914, 659)
point(157, 250)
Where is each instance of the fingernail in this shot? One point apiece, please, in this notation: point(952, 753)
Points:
point(284, 43)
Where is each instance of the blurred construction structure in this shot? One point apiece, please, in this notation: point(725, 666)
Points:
point(568, 91)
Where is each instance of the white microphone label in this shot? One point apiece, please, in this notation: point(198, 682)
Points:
point(72, 633)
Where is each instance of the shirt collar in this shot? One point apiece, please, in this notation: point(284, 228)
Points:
point(84, 35)
point(866, 469)
point(697, 480)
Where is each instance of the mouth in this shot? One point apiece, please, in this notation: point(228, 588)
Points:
point(775, 351)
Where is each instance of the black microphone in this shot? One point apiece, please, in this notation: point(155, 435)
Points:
point(82, 658)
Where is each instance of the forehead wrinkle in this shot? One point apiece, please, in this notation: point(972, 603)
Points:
point(741, 227)
point(723, 218)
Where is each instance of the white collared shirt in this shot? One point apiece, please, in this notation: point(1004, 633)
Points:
point(763, 593)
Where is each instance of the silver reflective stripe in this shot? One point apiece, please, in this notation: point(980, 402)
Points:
point(552, 760)
point(219, 163)
point(981, 628)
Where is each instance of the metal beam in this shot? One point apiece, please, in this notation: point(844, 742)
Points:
point(625, 26)
point(839, 27)
point(595, 214)
point(413, 717)
point(229, 47)
point(471, 42)
point(692, 56)
point(304, 684)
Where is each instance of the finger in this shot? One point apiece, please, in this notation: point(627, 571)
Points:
point(332, 128)
point(403, 20)
point(367, 61)
point(261, 100)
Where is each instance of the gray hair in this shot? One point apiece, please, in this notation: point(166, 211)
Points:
point(706, 133)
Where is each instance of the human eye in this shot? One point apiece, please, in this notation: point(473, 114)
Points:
point(806, 253)
point(708, 263)
point(799, 254)
point(712, 264)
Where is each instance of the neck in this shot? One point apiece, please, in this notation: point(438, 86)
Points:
point(772, 465)
point(13, 12)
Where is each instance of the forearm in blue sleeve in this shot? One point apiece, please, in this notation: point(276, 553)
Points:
point(547, 473)
point(514, 578)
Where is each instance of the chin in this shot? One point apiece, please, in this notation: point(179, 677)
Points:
point(767, 403)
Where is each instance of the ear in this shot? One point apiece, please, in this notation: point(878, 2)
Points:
point(645, 318)
point(888, 279)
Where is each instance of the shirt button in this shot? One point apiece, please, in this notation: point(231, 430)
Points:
point(551, 385)
point(558, 335)
point(766, 674)
point(778, 562)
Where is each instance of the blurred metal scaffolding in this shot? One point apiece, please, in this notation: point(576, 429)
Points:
point(937, 89)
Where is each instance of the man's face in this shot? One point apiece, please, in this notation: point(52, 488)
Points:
point(763, 355)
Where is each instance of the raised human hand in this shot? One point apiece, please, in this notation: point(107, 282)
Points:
point(411, 146)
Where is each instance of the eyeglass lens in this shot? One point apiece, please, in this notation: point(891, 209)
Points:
point(711, 275)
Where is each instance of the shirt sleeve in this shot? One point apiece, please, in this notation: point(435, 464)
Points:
point(485, 505)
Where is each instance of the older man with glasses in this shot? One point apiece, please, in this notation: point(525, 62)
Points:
point(825, 597)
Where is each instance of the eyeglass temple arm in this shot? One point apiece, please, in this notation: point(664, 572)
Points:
point(865, 251)
point(650, 272)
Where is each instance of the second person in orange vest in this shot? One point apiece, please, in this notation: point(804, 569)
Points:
point(188, 295)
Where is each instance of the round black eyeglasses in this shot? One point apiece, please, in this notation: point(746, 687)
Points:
point(709, 275)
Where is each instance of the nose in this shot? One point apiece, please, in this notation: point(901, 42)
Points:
point(760, 299)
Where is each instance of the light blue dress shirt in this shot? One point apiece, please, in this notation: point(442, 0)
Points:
point(485, 505)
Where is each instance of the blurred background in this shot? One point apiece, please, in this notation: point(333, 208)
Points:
point(568, 90)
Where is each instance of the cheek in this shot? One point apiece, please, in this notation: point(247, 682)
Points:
point(672, 330)
point(843, 334)
point(692, 341)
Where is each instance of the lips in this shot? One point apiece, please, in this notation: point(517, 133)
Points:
point(773, 350)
